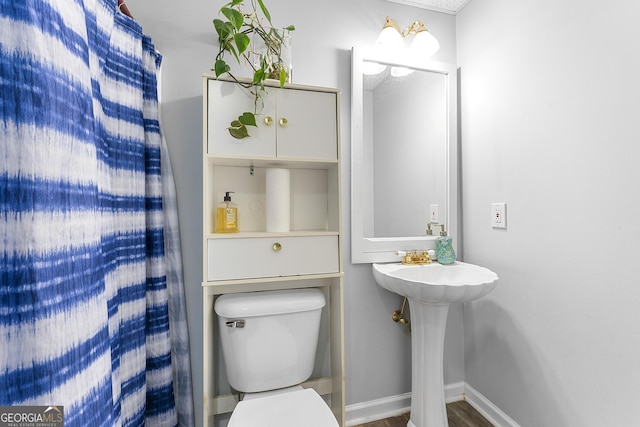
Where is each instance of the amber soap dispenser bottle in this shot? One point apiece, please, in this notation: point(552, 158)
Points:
point(227, 216)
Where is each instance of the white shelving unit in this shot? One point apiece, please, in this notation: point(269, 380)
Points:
point(298, 129)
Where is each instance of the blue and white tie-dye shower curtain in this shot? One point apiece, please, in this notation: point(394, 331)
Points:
point(84, 300)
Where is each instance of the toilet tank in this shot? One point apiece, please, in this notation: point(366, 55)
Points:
point(269, 339)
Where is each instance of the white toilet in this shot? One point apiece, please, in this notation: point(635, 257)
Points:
point(269, 342)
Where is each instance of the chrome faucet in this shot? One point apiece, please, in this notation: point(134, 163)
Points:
point(430, 231)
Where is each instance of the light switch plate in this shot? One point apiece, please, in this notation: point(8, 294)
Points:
point(499, 215)
point(434, 213)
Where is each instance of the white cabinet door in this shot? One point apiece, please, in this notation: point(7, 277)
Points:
point(227, 100)
point(244, 258)
point(292, 123)
point(311, 124)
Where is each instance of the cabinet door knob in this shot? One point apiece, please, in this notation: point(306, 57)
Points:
point(277, 247)
point(284, 122)
point(268, 120)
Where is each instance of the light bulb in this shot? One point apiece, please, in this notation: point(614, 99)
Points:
point(424, 44)
point(390, 41)
point(372, 68)
point(401, 71)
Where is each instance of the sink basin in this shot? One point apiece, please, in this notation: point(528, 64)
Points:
point(430, 288)
point(436, 283)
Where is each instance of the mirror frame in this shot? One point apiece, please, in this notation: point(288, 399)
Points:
point(383, 249)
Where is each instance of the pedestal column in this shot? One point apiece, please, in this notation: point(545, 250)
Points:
point(428, 322)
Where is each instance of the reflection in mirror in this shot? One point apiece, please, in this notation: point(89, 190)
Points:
point(404, 155)
point(405, 141)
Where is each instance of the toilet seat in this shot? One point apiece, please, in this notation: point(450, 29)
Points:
point(297, 408)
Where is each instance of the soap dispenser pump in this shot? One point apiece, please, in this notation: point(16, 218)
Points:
point(227, 216)
point(444, 247)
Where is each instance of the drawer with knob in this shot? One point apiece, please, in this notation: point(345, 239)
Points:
point(256, 257)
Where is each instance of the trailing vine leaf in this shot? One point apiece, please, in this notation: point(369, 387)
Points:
point(258, 76)
point(248, 119)
point(221, 67)
point(242, 42)
point(234, 16)
point(264, 11)
point(222, 28)
point(283, 77)
point(238, 130)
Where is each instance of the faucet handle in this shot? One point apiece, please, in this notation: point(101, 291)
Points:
point(424, 257)
point(407, 256)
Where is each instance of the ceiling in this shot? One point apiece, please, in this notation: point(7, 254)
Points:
point(447, 6)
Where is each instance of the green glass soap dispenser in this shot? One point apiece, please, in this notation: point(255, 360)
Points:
point(444, 247)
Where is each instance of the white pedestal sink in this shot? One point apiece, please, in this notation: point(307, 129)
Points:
point(430, 289)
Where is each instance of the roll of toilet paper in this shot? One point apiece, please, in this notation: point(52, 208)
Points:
point(278, 196)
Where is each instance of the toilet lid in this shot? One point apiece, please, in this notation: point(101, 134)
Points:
point(294, 409)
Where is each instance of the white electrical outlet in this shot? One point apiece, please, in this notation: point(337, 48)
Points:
point(433, 213)
point(499, 215)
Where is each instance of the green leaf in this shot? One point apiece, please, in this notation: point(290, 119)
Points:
point(221, 67)
point(263, 62)
point(290, 28)
point(234, 16)
point(247, 119)
point(242, 41)
point(231, 48)
point(223, 28)
point(238, 130)
point(283, 77)
point(258, 76)
point(264, 11)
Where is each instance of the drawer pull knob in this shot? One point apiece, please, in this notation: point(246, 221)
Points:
point(277, 247)
point(268, 120)
point(284, 122)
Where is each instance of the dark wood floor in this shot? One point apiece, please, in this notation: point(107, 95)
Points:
point(460, 414)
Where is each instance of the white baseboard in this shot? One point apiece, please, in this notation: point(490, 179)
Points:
point(393, 406)
point(487, 409)
point(454, 392)
point(378, 409)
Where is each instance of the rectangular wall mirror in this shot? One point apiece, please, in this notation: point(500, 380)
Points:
point(403, 155)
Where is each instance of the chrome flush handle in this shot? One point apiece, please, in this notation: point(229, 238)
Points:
point(235, 324)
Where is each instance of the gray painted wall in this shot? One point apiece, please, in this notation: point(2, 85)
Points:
point(550, 109)
point(377, 350)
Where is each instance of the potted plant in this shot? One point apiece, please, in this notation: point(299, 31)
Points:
point(240, 35)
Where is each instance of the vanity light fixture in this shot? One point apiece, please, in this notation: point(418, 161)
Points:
point(390, 38)
point(390, 42)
